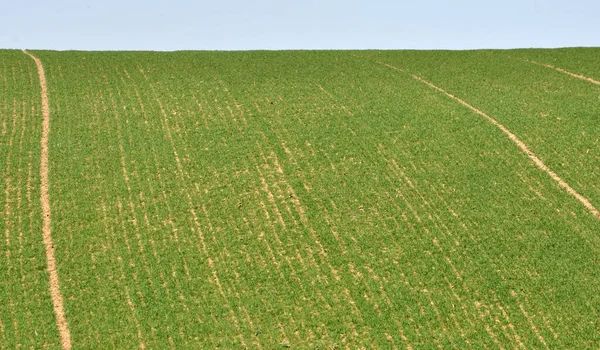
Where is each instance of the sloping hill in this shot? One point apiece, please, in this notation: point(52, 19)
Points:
point(304, 199)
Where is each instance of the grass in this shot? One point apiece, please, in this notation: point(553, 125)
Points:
point(307, 200)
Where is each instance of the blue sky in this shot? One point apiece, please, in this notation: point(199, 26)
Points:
point(309, 24)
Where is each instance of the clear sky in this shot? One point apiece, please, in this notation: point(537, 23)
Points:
point(290, 24)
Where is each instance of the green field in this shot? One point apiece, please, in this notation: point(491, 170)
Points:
point(307, 199)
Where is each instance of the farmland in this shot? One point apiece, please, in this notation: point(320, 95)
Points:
point(309, 199)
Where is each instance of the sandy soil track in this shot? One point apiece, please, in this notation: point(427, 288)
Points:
point(55, 294)
point(538, 162)
point(578, 76)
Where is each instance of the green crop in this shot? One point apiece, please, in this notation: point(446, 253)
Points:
point(304, 199)
point(26, 316)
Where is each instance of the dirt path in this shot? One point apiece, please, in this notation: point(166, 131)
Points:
point(514, 138)
point(579, 76)
point(55, 294)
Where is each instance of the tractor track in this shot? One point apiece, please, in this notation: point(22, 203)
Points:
point(55, 293)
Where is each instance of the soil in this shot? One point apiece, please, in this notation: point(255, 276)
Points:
point(55, 294)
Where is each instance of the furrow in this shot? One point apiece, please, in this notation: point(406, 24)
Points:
point(528, 317)
point(197, 227)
